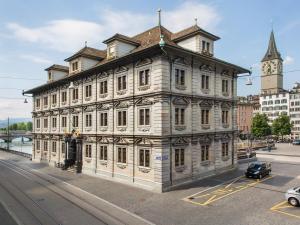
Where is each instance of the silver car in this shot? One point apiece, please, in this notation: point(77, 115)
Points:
point(293, 196)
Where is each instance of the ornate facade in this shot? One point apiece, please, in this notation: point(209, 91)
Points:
point(154, 110)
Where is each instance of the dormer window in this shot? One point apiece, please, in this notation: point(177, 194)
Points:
point(111, 51)
point(75, 66)
point(205, 47)
point(49, 76)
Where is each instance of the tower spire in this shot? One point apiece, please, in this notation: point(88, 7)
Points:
point(272, 52)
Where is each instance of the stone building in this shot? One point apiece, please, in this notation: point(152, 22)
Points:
point(295, 110)
point(153, 110)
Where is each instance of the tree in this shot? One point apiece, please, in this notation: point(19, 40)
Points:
point(282, 126)
point(260, 127)
point(29, 126)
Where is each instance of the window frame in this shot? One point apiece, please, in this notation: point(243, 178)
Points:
point(103, 153)
point(88, 151)
point(179, 161)
point(123, 114)
point(120, 155)
point(143, 160)
point(144, 119)
point(179, 116)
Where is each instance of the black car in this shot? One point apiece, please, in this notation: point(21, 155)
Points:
point(296, 142)
point(258, 170)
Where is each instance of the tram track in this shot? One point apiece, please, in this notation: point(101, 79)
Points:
point(76, 200)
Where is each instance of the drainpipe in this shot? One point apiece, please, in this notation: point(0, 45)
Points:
point(133, 166)
point(232, 119)
point(113, 123)
point(96, 163)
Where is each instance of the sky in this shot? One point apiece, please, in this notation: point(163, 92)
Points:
point(35, 34)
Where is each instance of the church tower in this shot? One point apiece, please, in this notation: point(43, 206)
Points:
point(271, 69)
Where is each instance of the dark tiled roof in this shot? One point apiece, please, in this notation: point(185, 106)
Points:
point(272, 52)
point(122, 37)
point(186, 33)
point(89, 53)
point(58, 67)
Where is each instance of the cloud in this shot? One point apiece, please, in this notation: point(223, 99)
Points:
point(35, 59)
point(288, 60)
point(69, 35)
point(15, 108)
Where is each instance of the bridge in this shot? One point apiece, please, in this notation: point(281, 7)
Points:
point(15, 134)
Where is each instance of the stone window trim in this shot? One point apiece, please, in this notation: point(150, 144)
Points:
point(179, 159)
point(117, 117)
point(144, 108)
point(180, 82)
point(122, 164)
point(103, 157)
point(145, 86)
point(144, 168)
point(123, 87)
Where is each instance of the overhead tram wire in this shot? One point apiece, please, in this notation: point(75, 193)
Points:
point(19, 78)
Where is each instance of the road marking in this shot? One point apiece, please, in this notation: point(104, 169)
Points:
point(222, 192)
point(284, 205)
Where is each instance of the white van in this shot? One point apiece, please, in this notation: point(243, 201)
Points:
point(293, 196)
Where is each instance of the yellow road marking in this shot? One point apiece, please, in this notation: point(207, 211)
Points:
point(283, 205)
point(223, 192)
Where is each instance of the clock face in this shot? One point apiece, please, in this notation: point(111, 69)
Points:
point(267, 68)
point(272, 67)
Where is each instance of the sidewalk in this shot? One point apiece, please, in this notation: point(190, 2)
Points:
point(282, 149)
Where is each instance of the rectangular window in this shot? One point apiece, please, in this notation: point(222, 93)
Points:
point(64, 121)
point(45, 146)
point(179, 116)
point(88, 151)
point(38, 103)
point(224, 149)
point(122, 83)
point(38, 123)
point(204, 153)
point(224, 116)
point(46, 123)
point(144, 157)
point(64, 96)
point(75, 121)
point(203, 46)
point(122, 155)
point(54, 122)
point(54, 146)
point(144, 117)
point(74, 66)
point(144, 77)
point(179, 77)
point(204, 116)
point(103, 87)
point(88, 120)
point(103, 119)
point(38, 145)
point(63, 148)
point(45, 101)
point(179, 157)
point(225, 86)
point(205, 82)
point(103, 152)
point(122, 118)
point(88, 91)
point(75, 94)
point(54, 99)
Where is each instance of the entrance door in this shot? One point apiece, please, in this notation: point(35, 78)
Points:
point(72, 152)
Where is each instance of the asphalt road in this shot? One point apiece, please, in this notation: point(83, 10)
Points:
point(225, 199)
point(34, 198)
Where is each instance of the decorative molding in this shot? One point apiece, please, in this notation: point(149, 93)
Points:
point(180, 127)
point(179, 169)
point(206, 67)
point(122, 92)
point(144, 169)
point(119, 104)
point(180, 87)
point(121, 165)
point(180, 141)
point(121, 69)
point(226, 105)
point(144, 129)
point(181, 101)
point(206, 104)
point(121, 141)
point(180, 60)
point(205, 139)
point(143, 62)
point(143, 142)
point(102, 140)
point(144, 88)
point(143, 101)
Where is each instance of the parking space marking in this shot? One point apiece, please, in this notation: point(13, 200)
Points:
point(283, 206)
point(222, 190)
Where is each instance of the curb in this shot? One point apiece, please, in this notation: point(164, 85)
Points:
point(265, 153)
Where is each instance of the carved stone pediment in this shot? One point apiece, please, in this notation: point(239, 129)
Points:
point(143, 62)
point(180, 60)
point(103, 140)
point(181, 101)
point(120, 104)
point(102, 75)
point(89, 79)
point(77, 82)
point(55, 113)
point(206, 104)
point(103, 107)
point(121, 69)
point(225, 137)
point(226, 105)
point(89, 108)
point(143, 101)
point(89, 138)
point(206, 67)
point(121, 141)
point(205, 139)
point(180, 141)
point(143, 142)
point(225, 72)
point(65, 87)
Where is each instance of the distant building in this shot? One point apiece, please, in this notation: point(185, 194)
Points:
point(295, 110)
point(153, 110)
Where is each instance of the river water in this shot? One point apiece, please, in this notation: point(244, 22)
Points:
point(18, 145)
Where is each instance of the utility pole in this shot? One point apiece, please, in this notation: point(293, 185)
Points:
point(8, 138)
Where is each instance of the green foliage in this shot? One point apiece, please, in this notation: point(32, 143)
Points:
point(282, 126)
point(19, 126)
point(260, 127)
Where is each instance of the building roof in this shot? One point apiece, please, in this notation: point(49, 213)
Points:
point(58, 67)
point(149, 42)
point(272, 52)
point(123, 38)
point(191, 31)
point(88, 52)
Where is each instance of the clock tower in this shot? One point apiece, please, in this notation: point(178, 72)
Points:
point(271, 69)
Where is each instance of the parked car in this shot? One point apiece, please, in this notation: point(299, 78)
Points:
point(293, 196)
point(258, 170)
point(296, 142)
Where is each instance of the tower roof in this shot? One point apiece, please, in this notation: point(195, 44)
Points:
point(272, 52)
